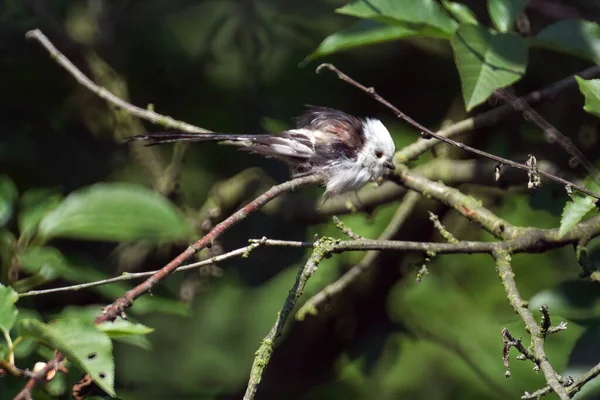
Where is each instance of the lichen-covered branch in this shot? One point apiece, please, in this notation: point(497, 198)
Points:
point(322, 248)
point(402, 212)
point(503, 265)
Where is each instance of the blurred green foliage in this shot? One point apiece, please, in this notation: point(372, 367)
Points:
point(77, 206)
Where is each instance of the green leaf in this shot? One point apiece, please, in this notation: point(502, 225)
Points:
point(127, 332)
point(8, 311)
point(121, 330)
point(115, 212)
point(8, 195)
point(591, 91)
point(362, 33)
point(487, 61)
point(576, 37)
point(504, 12)
point(83, 344)
point(575, 210)
point(425, 12)
point(461, 12)
point(34, 205)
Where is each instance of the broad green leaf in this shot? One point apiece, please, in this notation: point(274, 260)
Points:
point(34, 205)
point(461, 12)
point(127, 332)
point(120, 328)
point(114, 212)
point(576, 37)
point(424, 12)
point(362, 33)
point(8, 311)
point(82, 343)
point(124, 331)
point(576, 209)
point(591, 91)
point(487, 61)
point(8, 195)
point(504, 12)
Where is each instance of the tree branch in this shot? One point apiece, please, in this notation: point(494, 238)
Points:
point(146, 114)
point(552, 134)
point(322, 249)
point(427, 132)
point(402, 212)
point(503, 264)
point(241, 252)
point(111, 312)
point(491, 117)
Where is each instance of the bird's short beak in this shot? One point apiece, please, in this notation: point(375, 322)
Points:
point(390, 165)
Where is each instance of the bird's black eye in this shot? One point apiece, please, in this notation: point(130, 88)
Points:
point(379, 154)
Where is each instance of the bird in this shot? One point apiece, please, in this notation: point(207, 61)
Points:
point(346, 151)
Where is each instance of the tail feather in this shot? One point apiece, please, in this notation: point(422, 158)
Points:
point(155, 138)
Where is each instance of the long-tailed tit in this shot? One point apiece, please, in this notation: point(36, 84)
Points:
point(346, 151)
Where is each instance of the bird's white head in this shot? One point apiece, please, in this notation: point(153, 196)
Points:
point(378, 152)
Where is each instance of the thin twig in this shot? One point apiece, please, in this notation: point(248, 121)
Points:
point(426, 131)
point(511, 341)
point(81, 78)
point(402, 212)
point(441, 228)
point(117, 308)
point(129, 276)
point(491, 117)
point(345, 228)
point(264, 352)
point(552, 134)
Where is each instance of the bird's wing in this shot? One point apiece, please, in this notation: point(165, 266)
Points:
point(333, 127)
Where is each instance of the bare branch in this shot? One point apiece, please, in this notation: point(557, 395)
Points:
point(111, 312)
point(426, 131)
point(147, 114)
point(241, 252)
point(552, 134)
point(491, 117)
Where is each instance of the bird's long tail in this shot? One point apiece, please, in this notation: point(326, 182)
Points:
point(155, 138)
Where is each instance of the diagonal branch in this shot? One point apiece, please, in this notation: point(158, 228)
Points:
point(428, 132)
point(489, 118)
point(118, 308)
point(82, 79)
point(552, 134)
